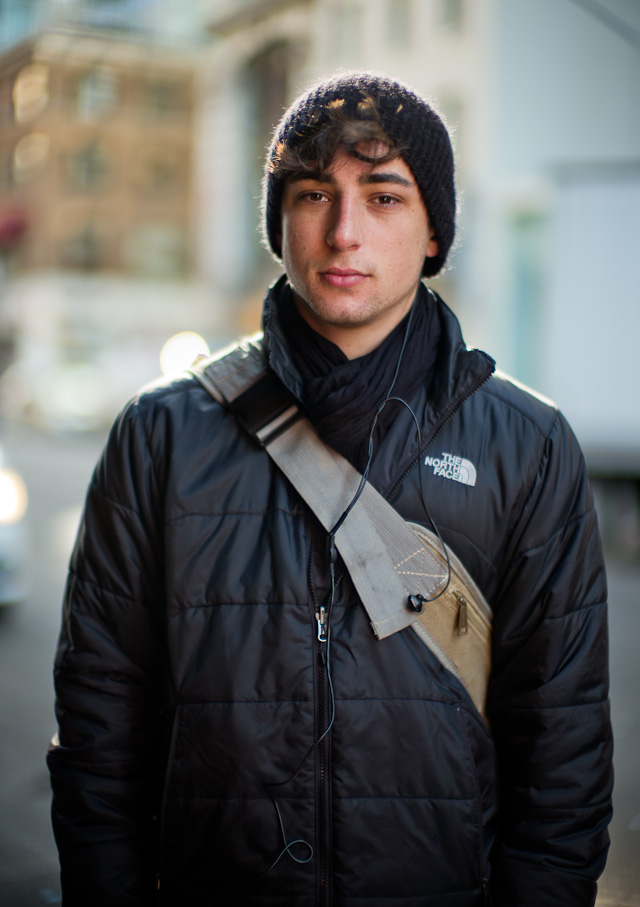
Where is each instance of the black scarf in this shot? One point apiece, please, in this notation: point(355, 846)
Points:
point(341, 395)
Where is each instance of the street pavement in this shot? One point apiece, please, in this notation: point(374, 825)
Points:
point(57, 471)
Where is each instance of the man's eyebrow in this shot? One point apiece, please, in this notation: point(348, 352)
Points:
point(366, 179)
point(377, 177)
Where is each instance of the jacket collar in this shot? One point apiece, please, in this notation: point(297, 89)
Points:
point(275, 342)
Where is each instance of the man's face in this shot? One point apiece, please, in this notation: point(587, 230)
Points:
point(354, 240)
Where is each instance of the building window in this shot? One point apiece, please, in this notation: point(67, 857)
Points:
point(156, 250)
point(30, 157)
point(268, 75)
point(399, 23)
point(159, 170)
point(452, 14)
point(266, 85)
point(527, 238)
point(88, 168)
point(85, 248)
point(30, 92)
point(162, 98)
point(96, 93)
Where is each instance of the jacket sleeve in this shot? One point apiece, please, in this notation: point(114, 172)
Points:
point(549, 692)
point(102, 766)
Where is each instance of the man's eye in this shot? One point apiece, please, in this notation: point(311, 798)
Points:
point(313, 196)
point(385, 200)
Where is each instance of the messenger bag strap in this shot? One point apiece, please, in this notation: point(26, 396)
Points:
point(402, 572)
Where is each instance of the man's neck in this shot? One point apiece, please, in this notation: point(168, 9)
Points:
point(355, 340)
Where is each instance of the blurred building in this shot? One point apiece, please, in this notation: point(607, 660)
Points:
point(96, 228)
point(542, 98)
point(95, 155)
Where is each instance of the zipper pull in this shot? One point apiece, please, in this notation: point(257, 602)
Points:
point(463, 623)
point(321, 620)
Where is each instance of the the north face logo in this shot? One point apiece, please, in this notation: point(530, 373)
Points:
point(452, 467)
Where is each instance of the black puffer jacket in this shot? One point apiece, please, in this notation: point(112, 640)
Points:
point(191, 683)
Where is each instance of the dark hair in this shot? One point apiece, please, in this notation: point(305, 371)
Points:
point(314, 148)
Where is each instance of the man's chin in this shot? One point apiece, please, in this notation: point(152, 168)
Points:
point(343, 313)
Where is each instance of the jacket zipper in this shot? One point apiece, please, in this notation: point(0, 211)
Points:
point(321, 615)
point(324, 805)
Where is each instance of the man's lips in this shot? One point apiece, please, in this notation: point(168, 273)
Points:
point(343, 277)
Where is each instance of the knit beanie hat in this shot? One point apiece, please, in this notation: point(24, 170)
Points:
point(408, 120)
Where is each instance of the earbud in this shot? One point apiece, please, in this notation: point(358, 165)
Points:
point(417, 603)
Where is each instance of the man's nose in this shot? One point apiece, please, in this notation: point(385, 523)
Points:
point(345, 227)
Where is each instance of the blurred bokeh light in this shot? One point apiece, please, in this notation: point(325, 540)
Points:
point(181, 351)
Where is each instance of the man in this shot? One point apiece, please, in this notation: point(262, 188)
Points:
point(231, 729)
